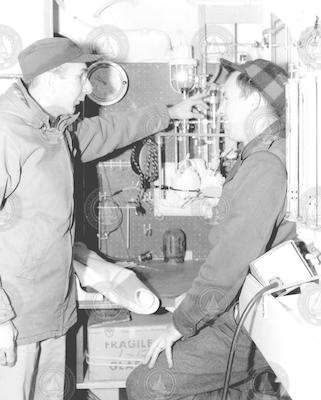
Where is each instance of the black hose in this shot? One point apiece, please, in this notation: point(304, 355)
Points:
point(246, 311)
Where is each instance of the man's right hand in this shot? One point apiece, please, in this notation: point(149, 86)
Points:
point(8, 335)
point(192, 107)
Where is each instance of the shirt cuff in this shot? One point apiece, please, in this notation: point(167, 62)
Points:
point(6, 311)
point(182, 323)
point(164, 116)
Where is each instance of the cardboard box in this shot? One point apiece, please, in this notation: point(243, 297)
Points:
point(115, 349)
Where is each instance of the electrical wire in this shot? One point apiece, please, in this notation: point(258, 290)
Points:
point(119, 225)
point(165, 187)
point(246, 311)
point(123, 190)
point(110, 197)
point(120, 218)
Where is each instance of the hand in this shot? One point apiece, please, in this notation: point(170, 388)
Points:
point(164, 342)
point(8, 335)
point(189, 108)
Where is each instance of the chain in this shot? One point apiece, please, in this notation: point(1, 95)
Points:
point(150, 173)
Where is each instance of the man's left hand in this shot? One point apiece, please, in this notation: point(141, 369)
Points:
point(164, 342)
point(193, 107)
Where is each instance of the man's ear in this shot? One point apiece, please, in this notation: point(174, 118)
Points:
point(50, 81)
point(255, 100)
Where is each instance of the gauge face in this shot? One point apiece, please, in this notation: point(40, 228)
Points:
point(109, 82)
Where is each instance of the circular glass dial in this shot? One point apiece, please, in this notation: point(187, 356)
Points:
point(109, 82)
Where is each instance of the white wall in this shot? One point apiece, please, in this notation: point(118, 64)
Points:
point(150, 27)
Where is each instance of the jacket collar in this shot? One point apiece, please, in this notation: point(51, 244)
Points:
point(261, 142)
point(38, 117)
point(264, 141)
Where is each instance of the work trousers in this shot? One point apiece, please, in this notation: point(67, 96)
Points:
point(38, 374)
point(199, 365)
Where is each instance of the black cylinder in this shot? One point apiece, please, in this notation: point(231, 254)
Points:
point(174, 246)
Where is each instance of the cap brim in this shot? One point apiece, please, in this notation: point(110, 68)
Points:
point(226, 67)
point(86, 58)
point(230, 66)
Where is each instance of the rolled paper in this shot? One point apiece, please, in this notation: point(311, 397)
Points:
point(145, 298)
point(118, 284)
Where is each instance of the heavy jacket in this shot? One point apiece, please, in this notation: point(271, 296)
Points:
point(36, 196)
point(248, 221)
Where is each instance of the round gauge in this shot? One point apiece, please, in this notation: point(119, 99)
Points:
point(109, 82)
point(110, 41)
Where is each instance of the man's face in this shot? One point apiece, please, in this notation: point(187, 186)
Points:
point(71, 87)
point(236, 109)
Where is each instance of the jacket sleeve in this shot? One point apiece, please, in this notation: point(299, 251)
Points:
point(249, 207)
point(6, 311)
point(9, 179)
point(98, 136)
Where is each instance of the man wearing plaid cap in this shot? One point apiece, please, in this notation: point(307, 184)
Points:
point(249, 220)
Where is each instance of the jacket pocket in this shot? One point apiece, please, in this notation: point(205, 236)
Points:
point(34, 252)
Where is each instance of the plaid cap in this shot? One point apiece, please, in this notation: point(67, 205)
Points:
point(46, 54)
point(267, 77)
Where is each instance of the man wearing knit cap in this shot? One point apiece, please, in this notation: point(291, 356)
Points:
point(249, 221)
point(40, 137)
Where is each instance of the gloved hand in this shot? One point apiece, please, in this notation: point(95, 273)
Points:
point(8, 335)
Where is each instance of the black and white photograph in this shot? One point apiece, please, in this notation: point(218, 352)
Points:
point(160, 224)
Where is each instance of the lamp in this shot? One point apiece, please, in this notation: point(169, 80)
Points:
point(182, 68)
point(182, 74)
